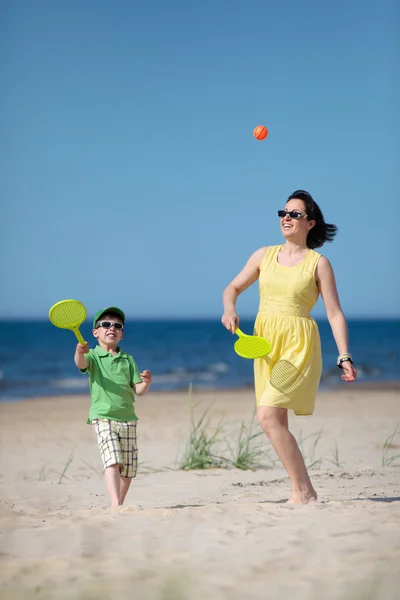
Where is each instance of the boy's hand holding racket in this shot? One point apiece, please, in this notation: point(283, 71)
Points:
point(82, 348)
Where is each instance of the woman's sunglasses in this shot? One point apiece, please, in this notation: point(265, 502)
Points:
point(293, 214)
point(109, 324)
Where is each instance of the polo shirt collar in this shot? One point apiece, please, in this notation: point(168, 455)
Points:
point(101, 352)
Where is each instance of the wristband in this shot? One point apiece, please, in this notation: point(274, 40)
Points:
point(343, 358)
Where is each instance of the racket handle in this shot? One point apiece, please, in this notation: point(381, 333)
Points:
point(239, 332)
point(79, 337)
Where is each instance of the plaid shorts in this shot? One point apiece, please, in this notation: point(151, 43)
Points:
point(118, 445)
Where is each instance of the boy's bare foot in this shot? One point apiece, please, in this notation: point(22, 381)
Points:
point(133, 507)
point(127, 508)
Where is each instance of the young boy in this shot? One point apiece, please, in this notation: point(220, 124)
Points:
point(113, 375)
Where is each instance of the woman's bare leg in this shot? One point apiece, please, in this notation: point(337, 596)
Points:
point(274, 422)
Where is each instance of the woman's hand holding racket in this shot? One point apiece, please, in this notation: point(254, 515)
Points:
point(230, 320)
point(247, 346)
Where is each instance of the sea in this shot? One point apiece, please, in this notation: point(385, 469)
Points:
point(36, 358)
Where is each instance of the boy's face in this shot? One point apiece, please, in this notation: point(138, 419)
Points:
point(107, 334)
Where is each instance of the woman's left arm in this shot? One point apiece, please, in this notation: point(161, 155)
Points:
point(325, 278)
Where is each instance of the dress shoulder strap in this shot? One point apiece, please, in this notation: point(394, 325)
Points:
point(269, 255)
point(312, 260)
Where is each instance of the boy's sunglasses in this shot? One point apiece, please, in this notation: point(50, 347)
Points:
point(109, 324)
point(293, 214)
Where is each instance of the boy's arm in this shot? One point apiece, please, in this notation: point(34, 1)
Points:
point(140, 381)
point(143, 386)
point(80, 360)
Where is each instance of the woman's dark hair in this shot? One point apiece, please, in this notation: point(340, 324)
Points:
point(321, 232)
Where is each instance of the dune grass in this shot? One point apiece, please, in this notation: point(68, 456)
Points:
point(335, 459)
point(387, 457)
point(204, 447)
point(200, 452)
point(249, 451)
point(310, 457)
point(68, 462)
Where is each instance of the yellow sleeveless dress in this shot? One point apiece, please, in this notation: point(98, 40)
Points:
point(289, 376)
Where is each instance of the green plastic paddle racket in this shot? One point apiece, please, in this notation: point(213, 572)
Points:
point(251, 346)
point(68, 314)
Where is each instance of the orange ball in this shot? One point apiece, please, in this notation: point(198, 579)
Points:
point(260, 132)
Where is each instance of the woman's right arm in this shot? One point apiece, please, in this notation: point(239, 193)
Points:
point(247, 276)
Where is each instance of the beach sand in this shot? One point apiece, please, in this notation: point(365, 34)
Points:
point(213, 534)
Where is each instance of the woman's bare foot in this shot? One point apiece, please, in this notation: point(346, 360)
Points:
point(303, 496)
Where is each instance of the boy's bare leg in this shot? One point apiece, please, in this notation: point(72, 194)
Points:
point(124, 487)
point(113, 484)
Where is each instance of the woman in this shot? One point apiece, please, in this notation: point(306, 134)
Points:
point(291, 277)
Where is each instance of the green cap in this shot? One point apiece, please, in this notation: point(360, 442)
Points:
point(110, 309)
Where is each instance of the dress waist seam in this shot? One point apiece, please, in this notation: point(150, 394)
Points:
point(267, 313)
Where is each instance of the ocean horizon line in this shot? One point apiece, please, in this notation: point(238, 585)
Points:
point(197, 318)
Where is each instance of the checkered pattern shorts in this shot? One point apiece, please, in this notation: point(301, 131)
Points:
point(118, 445)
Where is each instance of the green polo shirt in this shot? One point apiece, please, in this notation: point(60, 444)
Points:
point(111, 378)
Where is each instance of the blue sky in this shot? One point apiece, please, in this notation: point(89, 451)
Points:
point(129, 172)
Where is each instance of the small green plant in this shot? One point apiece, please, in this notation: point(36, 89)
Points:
point(44, 474)
point(143, 470)
point(310, 459)
point(387, 457)
point(199, 453)
point(248, 454)
point(66, 466)
point(335, 460)
point(92, 468)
